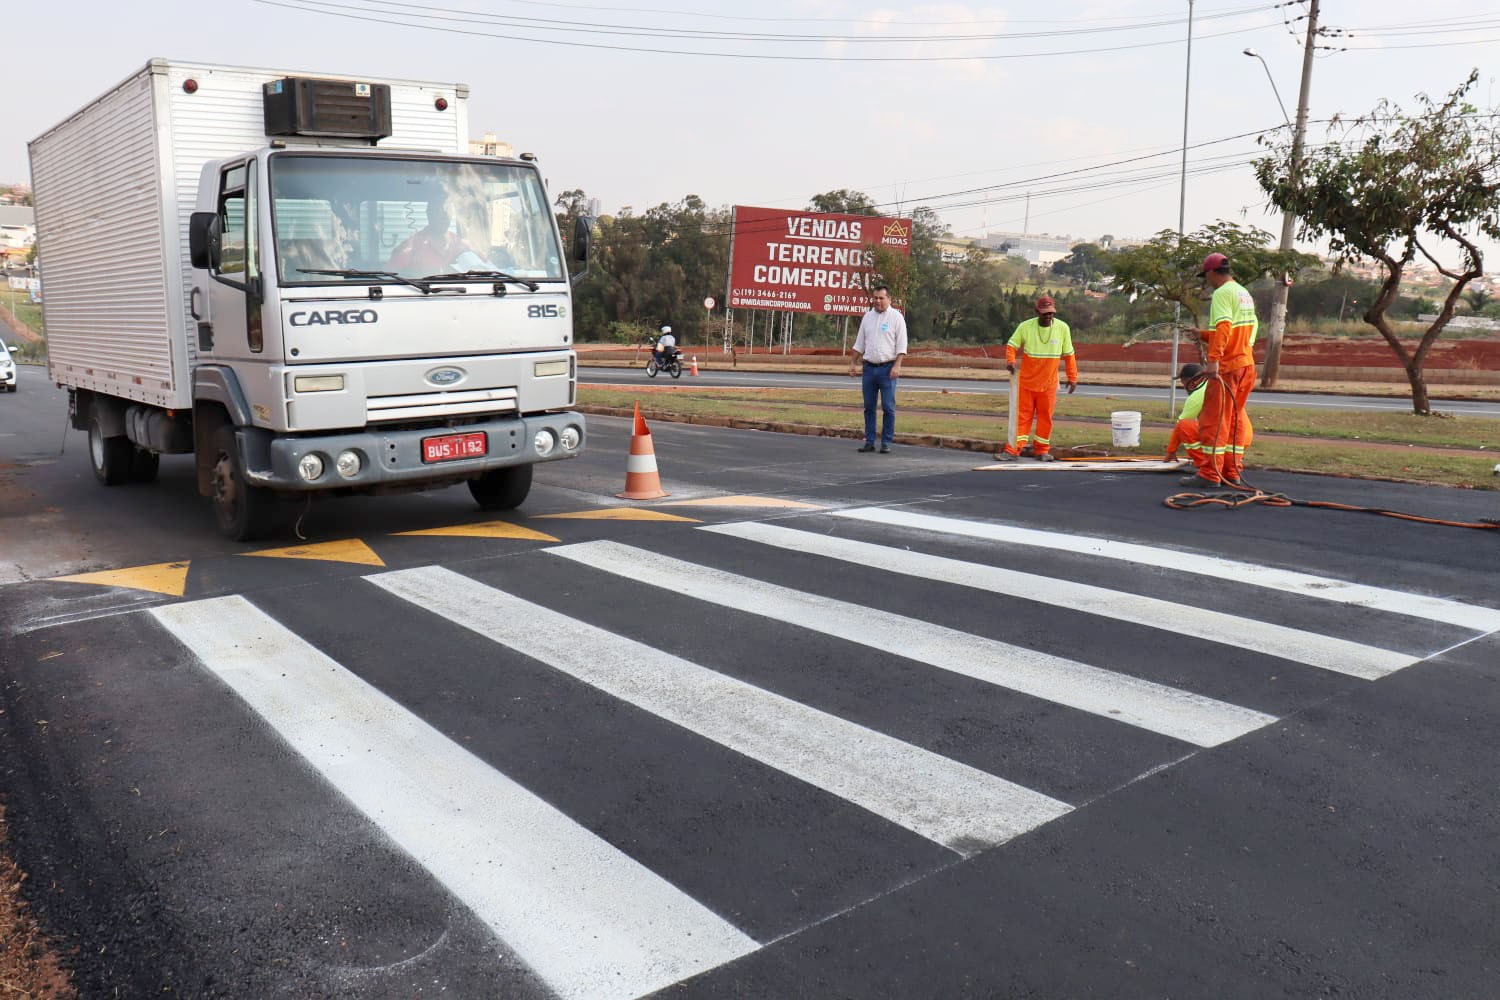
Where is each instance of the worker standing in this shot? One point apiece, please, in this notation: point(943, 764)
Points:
point(1041, 343)
point(1230, 367)
point(1185, 433)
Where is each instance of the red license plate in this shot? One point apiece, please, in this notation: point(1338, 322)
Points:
point(454, 446)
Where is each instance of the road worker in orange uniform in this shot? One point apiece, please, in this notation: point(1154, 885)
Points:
point(1230, 367)
point(1185, 435)
point(1041, 343)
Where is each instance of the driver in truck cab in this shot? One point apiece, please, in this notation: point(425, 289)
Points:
point(434, 248)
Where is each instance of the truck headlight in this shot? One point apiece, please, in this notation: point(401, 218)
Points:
point(348, 464)
point(545, 368)
point(310, 468)
point(544, 442)
point(570, 437)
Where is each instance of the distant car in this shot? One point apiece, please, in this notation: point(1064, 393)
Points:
point(7, 370)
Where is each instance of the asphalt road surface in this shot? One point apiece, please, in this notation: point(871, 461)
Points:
point(787, 380)
point(839, 725)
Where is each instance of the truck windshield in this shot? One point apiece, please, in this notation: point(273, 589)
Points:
point(409, 217)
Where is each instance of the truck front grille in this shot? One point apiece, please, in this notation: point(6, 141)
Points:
point(437, 405)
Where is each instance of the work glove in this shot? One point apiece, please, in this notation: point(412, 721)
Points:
point(1072, 386)
point(1011, 369)
point(1171, 457)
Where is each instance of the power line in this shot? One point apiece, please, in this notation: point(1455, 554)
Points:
point(396, 8)
point(343, 11)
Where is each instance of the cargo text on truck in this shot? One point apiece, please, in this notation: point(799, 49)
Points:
point(342, 300)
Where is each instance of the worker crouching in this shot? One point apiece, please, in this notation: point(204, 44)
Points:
point(1186, 434)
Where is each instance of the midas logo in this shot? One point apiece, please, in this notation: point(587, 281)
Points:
point(332, 317)
point(895, 234)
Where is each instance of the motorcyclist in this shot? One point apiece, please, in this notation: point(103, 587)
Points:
point(665, 347)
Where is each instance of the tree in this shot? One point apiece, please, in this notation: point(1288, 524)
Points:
point(843, 202)
point(1406, 184)
point(1087, 263)
point(1166, 268)
point(1478, 299)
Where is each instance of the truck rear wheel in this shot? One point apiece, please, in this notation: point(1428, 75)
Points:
point(245, 512)
point(502, 489)
point(110, 456)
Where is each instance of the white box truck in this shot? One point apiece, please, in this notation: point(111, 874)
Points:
point(306, 282)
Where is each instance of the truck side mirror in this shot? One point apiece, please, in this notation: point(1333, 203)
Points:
point(583, 236)
point(204, 240)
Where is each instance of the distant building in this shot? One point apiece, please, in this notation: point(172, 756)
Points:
point(17, 232)
point(490, 146)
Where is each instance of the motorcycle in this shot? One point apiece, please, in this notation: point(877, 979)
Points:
point(671, 364)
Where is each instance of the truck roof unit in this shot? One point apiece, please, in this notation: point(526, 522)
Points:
point(341, 109)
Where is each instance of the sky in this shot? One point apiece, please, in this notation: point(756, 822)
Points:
point(963, 108)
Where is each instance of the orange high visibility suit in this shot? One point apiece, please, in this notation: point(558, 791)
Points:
point(1040, 349)
point(1186, 434)
point(1232, 316)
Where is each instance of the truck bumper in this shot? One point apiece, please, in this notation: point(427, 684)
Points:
point(390, 457)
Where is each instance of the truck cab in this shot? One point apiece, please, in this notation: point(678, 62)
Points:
point(368, 320)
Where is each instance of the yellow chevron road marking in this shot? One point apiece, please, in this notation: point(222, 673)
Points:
point(744, 501)
point(622, 514)
point(160, 578)
point(485, 529)
point(350, 550)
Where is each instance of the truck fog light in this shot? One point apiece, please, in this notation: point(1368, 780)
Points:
point(310, 468)
point(571, 436)
point(347, 464)
point(544, 442)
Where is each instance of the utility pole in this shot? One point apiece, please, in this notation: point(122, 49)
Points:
point(1187, 93)
point(1288, 220)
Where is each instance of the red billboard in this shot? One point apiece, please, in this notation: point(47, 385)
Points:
point(811, 262)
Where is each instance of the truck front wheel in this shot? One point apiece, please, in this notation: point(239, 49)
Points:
point(110, 456)
point(502, 489)
point(244, 511)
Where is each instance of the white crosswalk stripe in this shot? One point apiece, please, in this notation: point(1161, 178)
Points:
point(1437, 609)
point(1326, 652)
point(587, 918)
point(949, 802)
point(1183, 715)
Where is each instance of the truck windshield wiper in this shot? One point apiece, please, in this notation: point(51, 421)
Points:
point(474, 275)
point(388, 275)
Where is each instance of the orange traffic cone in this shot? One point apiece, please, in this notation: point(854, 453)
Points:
point(695, 365)
point(641, 479)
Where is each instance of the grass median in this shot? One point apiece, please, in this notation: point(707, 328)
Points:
point(1445, 450)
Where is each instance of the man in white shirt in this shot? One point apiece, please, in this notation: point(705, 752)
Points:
point(877, 354)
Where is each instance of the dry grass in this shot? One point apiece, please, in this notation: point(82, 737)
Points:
point(28, 965)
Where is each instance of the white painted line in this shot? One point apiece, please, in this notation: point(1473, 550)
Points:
point(592, 922)
point(1338, 655)
point(1323, 588)
point(959, 806)
point(1180, 714)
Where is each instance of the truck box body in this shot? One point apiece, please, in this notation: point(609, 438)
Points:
point(114, 186)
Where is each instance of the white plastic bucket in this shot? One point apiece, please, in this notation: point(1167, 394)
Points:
point(1125, 427)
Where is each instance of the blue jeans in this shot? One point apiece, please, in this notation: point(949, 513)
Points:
point(877, 380)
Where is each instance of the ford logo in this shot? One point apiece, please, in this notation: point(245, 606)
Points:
point(446, 376)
